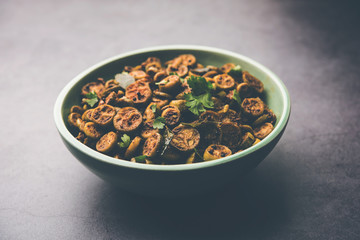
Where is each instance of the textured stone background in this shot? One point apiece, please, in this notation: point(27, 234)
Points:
point(307, 188)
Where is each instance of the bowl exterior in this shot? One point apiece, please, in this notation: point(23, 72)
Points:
point(177, 179)
point(173, 183)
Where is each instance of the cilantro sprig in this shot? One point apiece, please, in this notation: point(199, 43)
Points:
point(236, 97)
point(125, 141)
point(140, 159)
point(153, 108)
point(200, 96)
point(159, 123)
point(91, 98)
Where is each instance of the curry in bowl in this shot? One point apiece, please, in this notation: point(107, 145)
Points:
point(172, 112)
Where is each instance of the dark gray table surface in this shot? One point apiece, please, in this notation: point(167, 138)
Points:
point(307, 188)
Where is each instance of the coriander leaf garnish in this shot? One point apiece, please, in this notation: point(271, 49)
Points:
point(200, 96)
point(91, 98)
point(153, 108)
point(236, 97)
point(205, 99)
point(125, 141)
point(140, 159)
point(173, 73)
point(236, 71)
point(159, 123)
point(194, 104)
point(199, 85)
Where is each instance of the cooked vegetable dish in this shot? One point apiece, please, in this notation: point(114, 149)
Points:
point(174, 112)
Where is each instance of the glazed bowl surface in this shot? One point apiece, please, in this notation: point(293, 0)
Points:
point(180, 179)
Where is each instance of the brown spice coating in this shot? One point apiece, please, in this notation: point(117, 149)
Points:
point(270, 116)
point(180, 70)
point(170, 84)
point(96, 87)
point(231, 116)
point(76, 109)
point(152, 145)
point(227, 67)
point(127, 119)
point(111, 98)
point(103, 114)
point(92, 130)
point(149, 113)
point(253, 107)
point(160, 76)
point(211, 74)
point(139, 92)
point(163, 95)
point(148, 129)
point(110, 86)
point(210, 133)
point(209, 115)
point(247, 140)
point(230, 135)
point(188, 59)
point(244, 90)
point(138, 74)
point(72, 118)
point(150, 60)
point(216, 151)
point(253, 82)
point(133, 147)
point(160, 102)
point(224, 81)
point(264, 130)
point(185, 138)
point(106, 142)
point(153, 65)
point(171, 114)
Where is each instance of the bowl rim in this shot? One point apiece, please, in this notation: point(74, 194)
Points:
point(67, 136)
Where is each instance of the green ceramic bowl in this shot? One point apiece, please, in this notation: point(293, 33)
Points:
point(172, 180)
